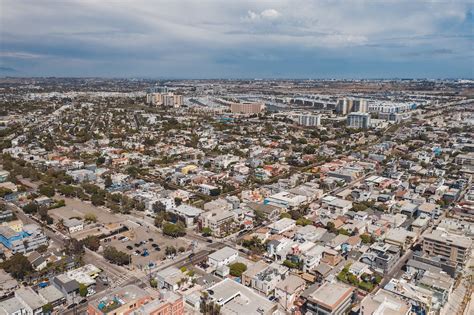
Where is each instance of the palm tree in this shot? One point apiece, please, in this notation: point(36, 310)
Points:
point(60, 225)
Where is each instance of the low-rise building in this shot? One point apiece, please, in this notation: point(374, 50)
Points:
point(123, 300)
point(330, 298)
point(288, 290)
point(222, 257)
point(235, 298)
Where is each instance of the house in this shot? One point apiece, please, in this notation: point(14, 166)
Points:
point(309, 233)
point(74, 225)
point(52, 295)
point(37, 261)
point(282, 225)
point(267, 279)
point(330, 298)
point(251, 271)
point(381, 257)
point(288, 290)
point(169, 278)
point(7, 283)
point(222, 257)
point(33, 303)
point(339, 206)
point(68, 287)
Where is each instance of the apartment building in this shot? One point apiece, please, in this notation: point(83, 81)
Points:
point(452, 247)
point(247, 108)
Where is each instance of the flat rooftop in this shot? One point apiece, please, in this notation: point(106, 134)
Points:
point(237, 299)
point(331, 295)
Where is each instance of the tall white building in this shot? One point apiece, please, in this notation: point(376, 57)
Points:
point(309, 120)
point(358, 120)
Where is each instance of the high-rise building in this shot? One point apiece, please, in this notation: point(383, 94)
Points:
point(349, 105)
point(308, 120)
point(358, 120)
point(164, 99)
point(247, 108)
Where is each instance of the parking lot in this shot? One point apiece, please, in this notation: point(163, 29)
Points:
point(145, 245)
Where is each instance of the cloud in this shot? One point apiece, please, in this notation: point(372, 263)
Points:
point(160, 37)
point(269, 14)
point(19, 55)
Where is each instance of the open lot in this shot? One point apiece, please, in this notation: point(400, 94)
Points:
point(139, 240)
point(79, 208)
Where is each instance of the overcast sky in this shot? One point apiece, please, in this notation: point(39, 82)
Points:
point(237, 38)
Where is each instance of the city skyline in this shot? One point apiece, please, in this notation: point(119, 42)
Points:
point(245, 39)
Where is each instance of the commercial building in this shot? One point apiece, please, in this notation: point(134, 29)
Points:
point(384, 302)
point(358, 120)
point(234, 298)
point(247, 108)
point(451, 247)
point(120, 301)
point(29, 239)
point(168, 303)
point(222, 257)
point(330, 298)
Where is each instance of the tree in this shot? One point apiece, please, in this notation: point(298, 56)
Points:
point(92, 242)
point(100, 160)
point(170, 250)
point(90, 217)
point(5, 191)
point(290, 264)
point(174, 230)
point(153, 283)
point(30, 208)
point(331, 227)
point(82, 290)
point(367, 239)
point(115, 256)
point(18, 266)
point(47, 308)
point(158, 207)
point(237, 269)
point(108, 181)
point(285, 215)
point(98, 199)
point(46, 190)
point(160, 217)
point(303, 221)
point(181, 249)
point(73, 247)
point(206, 231)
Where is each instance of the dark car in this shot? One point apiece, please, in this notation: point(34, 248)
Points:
point(72, 306)
point(129, 247)
point(150, 239)
point(209, 241)
point(157, 249)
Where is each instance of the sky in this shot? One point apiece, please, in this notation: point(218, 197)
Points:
point(237, 38)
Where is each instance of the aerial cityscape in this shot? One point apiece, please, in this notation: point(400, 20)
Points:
point(152, 163)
